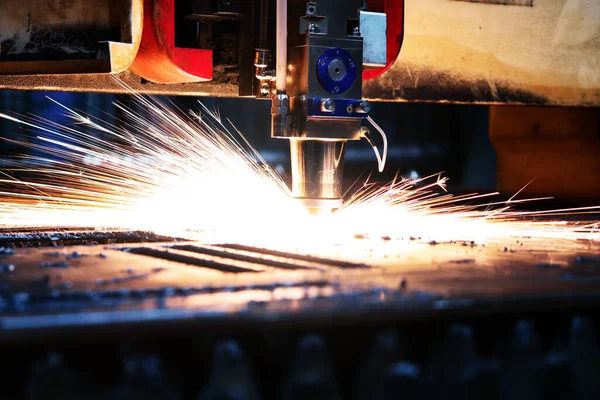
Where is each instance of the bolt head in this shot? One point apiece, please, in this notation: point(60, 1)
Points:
point(364, 106)
point(265, 88)
point(312, 28)
point(356, 31)
point(328, 105)
point(281, 101)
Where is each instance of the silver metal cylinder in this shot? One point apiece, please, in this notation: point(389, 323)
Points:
point(262, 58)
point(317, 172)
point(280, 118)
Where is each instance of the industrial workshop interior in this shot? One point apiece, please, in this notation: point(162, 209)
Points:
point(291, 199)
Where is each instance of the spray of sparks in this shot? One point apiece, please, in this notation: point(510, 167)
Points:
point(190, 175)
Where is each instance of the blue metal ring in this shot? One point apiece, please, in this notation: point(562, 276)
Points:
point(327, 81)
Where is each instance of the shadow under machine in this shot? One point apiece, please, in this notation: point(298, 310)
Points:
point(456, 317)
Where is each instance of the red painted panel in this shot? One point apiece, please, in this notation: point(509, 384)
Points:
point(158, 60)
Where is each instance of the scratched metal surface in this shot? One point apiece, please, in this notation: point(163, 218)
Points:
point(89, 285)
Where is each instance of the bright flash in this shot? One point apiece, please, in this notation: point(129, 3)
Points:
point(189, 175)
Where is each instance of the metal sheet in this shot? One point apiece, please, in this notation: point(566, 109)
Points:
point(373, 29)
point(78, 37)
point(474, 52)
point(51, 288)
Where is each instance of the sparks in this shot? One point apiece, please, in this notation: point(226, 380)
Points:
point(193, 175)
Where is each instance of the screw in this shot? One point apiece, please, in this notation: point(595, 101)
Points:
point(322, 62)
point(363, 106)
point(328, 105)
point(356, 31)
point(312, 28)
point(265, 88)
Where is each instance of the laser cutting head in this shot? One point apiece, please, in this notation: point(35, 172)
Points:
point(317, 169)
point(319, 108)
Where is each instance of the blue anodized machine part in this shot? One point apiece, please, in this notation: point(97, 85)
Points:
point(336, 72)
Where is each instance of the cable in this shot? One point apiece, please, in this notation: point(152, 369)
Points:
point(381, 159)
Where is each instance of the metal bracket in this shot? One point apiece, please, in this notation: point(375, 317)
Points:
point(335, 107)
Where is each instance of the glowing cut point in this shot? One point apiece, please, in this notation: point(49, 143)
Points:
point(190, 176)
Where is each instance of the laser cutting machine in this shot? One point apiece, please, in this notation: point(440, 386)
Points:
point(310, 58)
point(329, 45)
point(460, 319)
point(334, 60)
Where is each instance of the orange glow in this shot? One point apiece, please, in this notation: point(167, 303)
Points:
point(188, 175)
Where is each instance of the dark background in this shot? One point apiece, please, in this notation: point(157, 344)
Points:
point(423, 138)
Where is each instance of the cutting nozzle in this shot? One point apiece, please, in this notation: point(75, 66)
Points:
point(317, 171)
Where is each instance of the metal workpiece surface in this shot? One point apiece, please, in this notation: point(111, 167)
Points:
point(119, 284)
